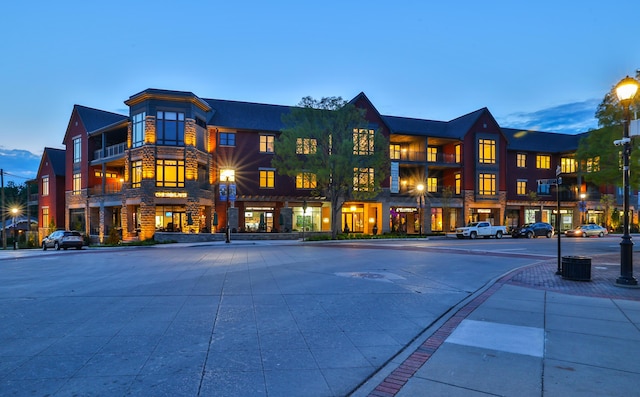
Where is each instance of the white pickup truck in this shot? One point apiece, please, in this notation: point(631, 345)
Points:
point(481, 229)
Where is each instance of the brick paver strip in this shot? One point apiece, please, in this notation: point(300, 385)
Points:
point(604, 272)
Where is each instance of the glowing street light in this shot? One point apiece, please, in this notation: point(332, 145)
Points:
point(420, 189)
point(626, 90)
point(15, 211)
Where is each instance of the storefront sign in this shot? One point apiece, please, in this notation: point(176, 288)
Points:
point(171, 194)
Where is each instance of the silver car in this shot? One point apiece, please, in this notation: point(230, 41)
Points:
point(587, 231)
point(63, 239)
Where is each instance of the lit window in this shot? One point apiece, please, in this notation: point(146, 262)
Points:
point(521, 187)
point(77, 183)
point(487, 151)
point(170, 173)
point(45, 216)
point(136, 173)
point(543, 161)
point(77, 150)
point(363, 179)
point(267, 179)
point(458, 153)
point(170, 128)
point(458, 184)
point(98, 174)
point(45, 185)
point(432, 154)
point(432, 185)
point(227, 138)
point(487, 184)
point(137, 129)
point(394, 151)
point(306, 180)
point(593, 164)
point(521, 160)
point(363, 142)
point(266, 143)
point(568, 165)
point(306, 145)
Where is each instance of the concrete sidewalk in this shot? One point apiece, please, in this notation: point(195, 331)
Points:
point(530, 333)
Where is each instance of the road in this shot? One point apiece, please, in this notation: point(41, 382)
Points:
point(245, 319)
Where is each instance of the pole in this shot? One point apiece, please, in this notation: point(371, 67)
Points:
point(420, 216)
point(558, 226)
point(626, 245)
point(227, 231)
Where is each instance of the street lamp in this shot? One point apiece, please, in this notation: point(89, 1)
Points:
point(626, 90)
point(14, 211)
point(583, 208)
point(227, 176)
point(420, 189)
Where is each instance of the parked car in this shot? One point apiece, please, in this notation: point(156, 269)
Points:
point(587, 231)
point(533, 230)
point(63, 239)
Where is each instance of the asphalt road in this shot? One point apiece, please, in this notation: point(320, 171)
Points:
point(270, 319)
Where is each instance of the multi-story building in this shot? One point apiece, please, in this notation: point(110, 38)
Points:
point(51, 190)
point(181, 163)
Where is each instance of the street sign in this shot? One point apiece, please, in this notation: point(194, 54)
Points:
point(548, 181)
point(558, 171)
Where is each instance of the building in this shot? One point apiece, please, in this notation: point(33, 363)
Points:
point(181, 163)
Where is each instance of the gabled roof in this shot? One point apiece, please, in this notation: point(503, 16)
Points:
point(539, 141)
point(95, 119)
point(246, 115)
point(56, 158)
point(456, 128)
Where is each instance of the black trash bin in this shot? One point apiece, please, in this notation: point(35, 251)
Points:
point(576, 268)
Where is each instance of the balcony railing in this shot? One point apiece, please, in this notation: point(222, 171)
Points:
point(110, 188)
point(410, 155)
point(446, 158)
point(110, 151)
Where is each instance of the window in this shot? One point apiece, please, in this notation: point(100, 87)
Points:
point(487, 184)
point(45, 186)
point(306, 180)
point(98, 174)
point(432, 185)
point(137, 129)
point(306, 145)
point(77, 150)
point(458, 184)
point(543, 161)
point(267, 179)
point(170, 128)
point(363, 179)
point(77, 183)
point(170, 173)
point(45, 216)
point(521, 160)
point(521, 187)
point(432, 154)
point(266, 143)
point(227, 139)
point(363, 142)
point(394, 151)
point(136, 173)
point(458, 149)
point(593, 164)
point(568, 165)
point(487, 151)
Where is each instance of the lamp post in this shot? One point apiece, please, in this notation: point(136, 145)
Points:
point(583, 208)
point(420, 189)
point(626, 90)
point(226, 175)
point(14, 211)
point(304, 213)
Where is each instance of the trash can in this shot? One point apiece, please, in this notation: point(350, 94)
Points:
point(576, 268)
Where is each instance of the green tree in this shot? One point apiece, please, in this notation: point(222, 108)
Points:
point(330, 147)
point(600, 159)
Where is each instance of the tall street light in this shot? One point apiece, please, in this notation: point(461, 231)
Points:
point(420, 189)
point(583, 208)
point(14, 211)
point(227, 176)
point(626, 90)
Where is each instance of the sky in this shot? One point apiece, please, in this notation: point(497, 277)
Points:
point(543, 65)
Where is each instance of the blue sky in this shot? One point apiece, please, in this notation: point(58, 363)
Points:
point(541, 65)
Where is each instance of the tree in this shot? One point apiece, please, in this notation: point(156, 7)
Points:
point(600, 160)
point(328, 146)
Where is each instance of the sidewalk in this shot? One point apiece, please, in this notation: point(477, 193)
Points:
point(530, 333)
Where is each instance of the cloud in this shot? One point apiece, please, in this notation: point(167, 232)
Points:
point(569, 118)
point(18, 165)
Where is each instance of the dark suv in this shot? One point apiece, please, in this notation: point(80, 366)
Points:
point(63, 239)
point(533, 230)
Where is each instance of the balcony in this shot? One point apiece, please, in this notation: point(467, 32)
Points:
point(109, 188)
point(443, 158)
point(409, 155)
point(110, 151)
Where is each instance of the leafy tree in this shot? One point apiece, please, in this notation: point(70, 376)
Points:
point(600, 160)
point(327, 144)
